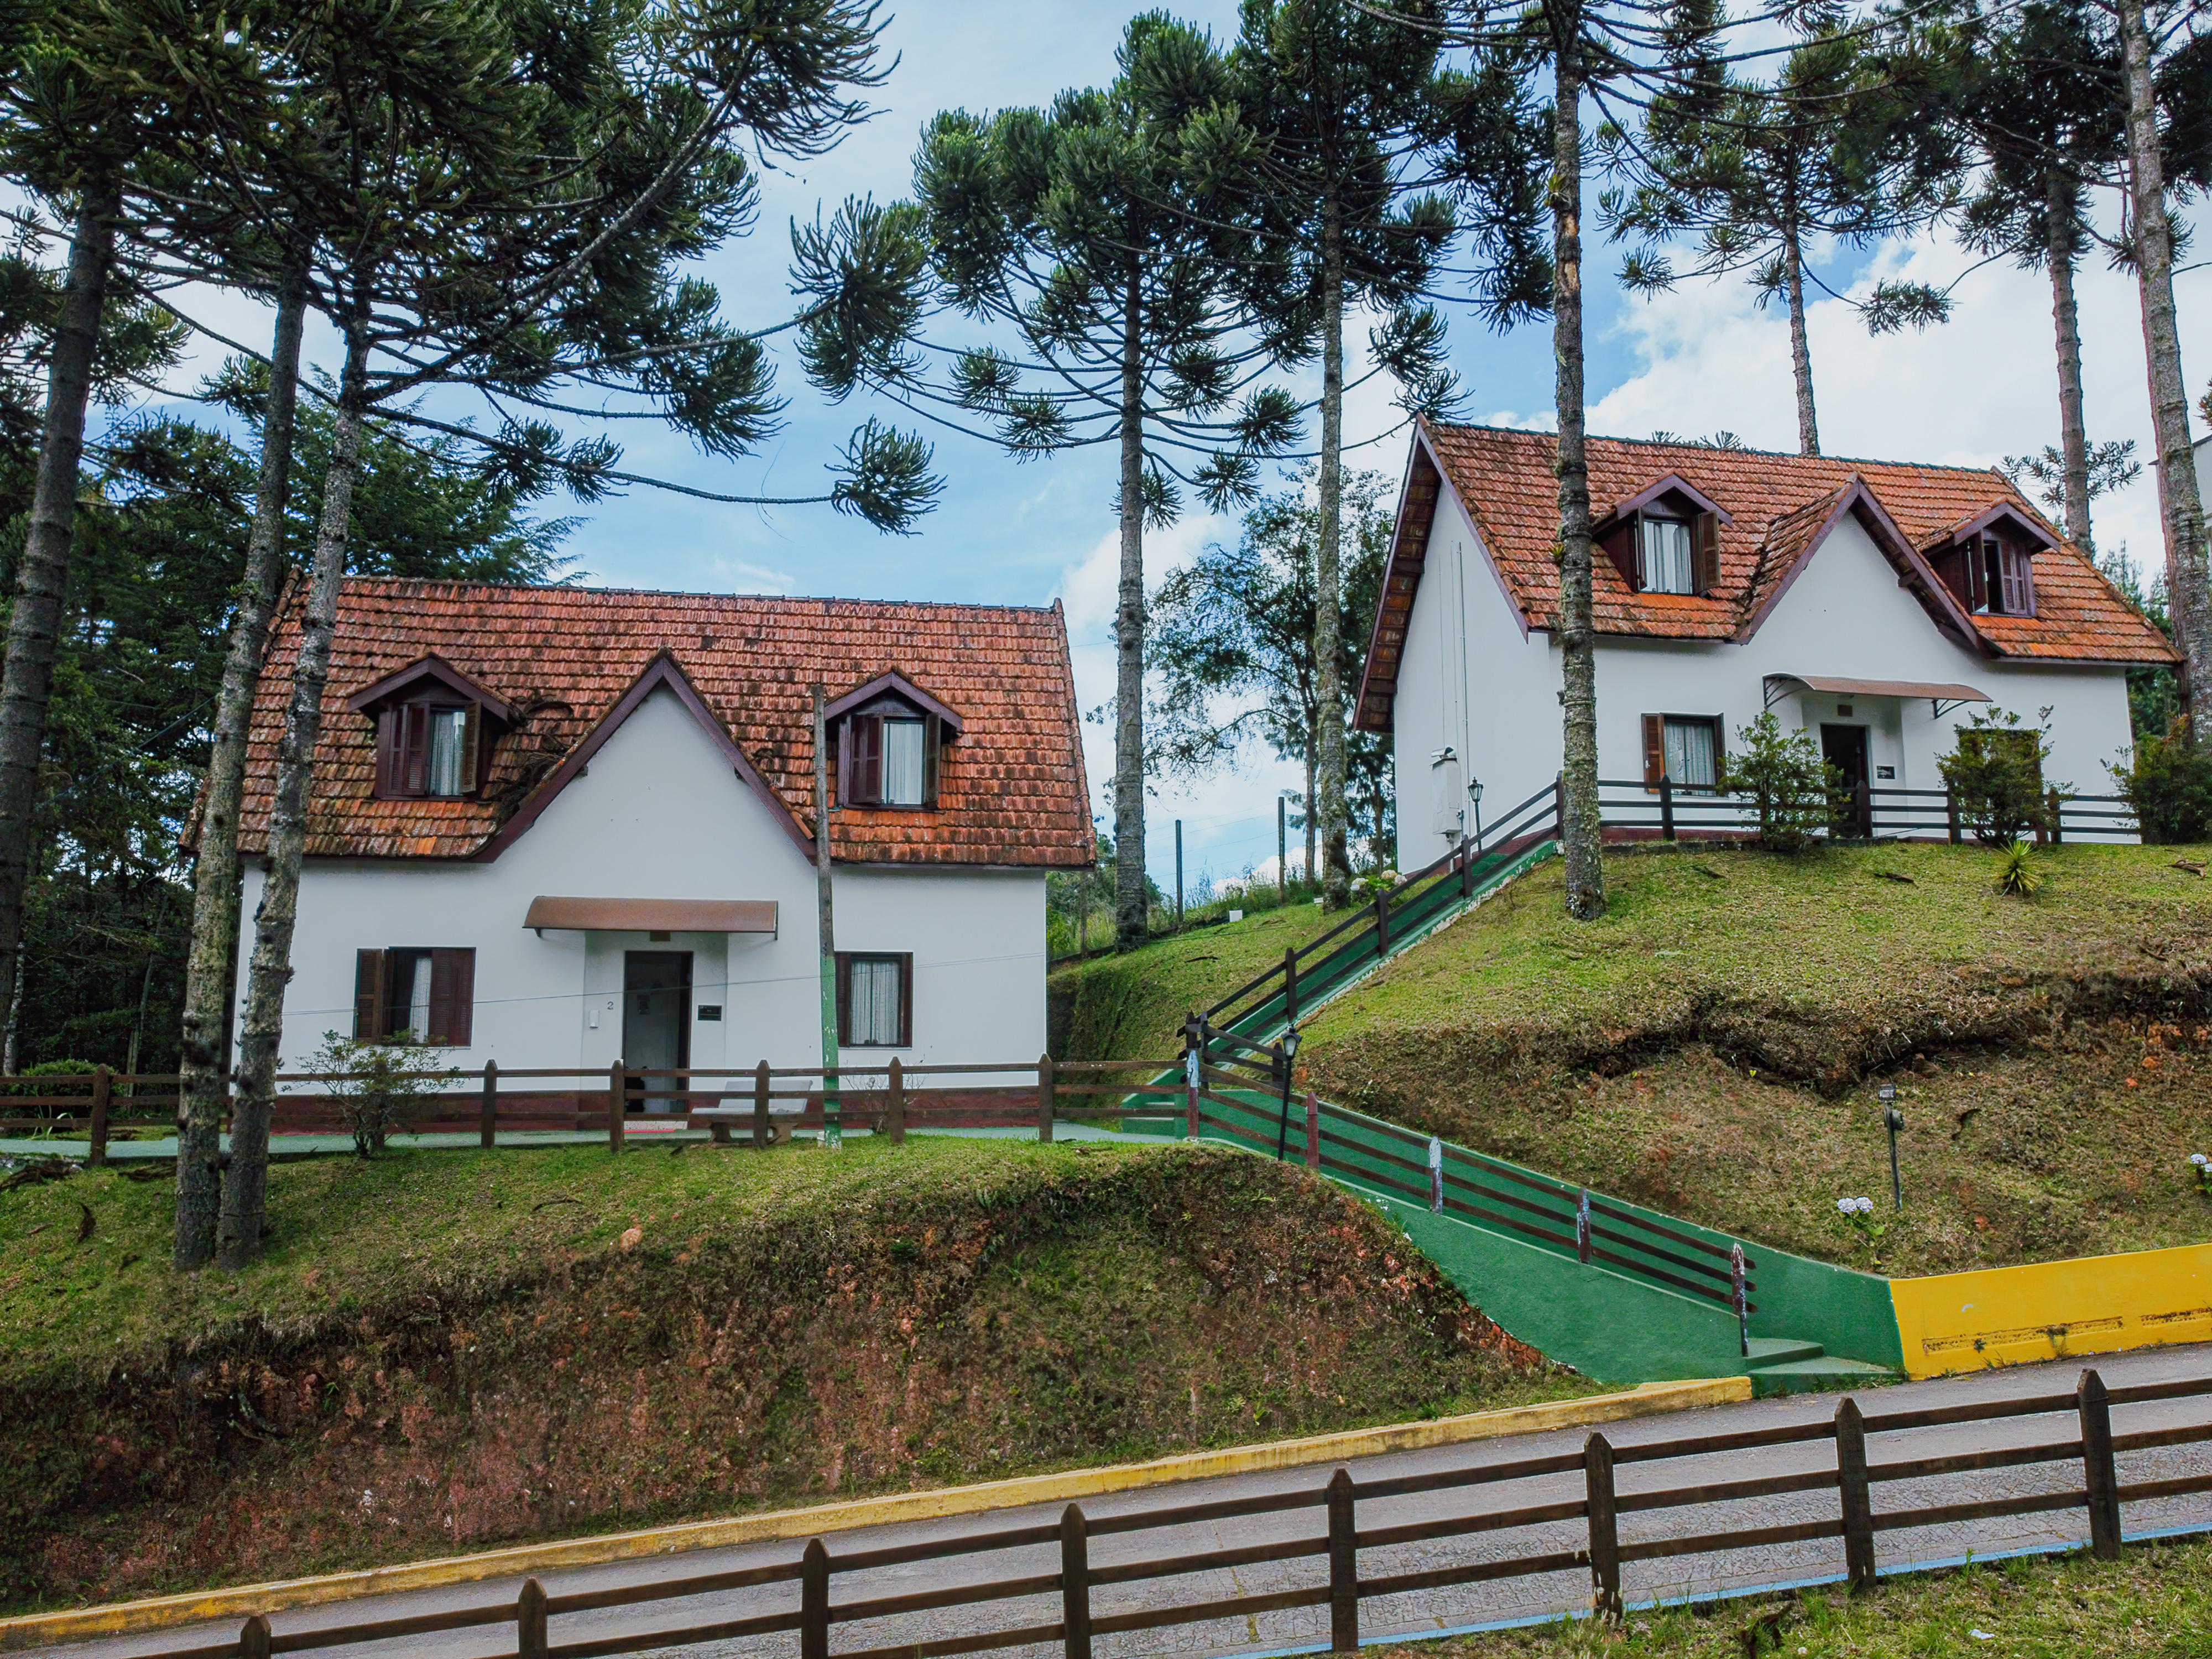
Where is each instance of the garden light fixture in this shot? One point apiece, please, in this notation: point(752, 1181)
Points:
point(1474, 800)
point(1893, 1120)
point(1286, 1052)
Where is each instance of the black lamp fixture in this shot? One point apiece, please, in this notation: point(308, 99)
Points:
point(1474, 800)
point(1893, 1120)
point(1286, 1052)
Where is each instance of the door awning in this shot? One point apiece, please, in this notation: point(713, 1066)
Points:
point(653, 915)
point(1944, 696)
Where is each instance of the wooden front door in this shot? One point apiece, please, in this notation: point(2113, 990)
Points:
point(1845, 747)
point(656, 1023)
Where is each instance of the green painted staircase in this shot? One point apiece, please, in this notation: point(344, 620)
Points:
point(1780, 1364)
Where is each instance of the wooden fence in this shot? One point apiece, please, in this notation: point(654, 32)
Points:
point(1636, 810)
point(1603, 1545)
point(762, 1101)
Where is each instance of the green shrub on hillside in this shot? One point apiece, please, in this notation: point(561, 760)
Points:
point(2167, 784)
point(1996, 774)
point(1789, 780)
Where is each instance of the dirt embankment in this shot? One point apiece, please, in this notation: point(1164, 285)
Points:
point(1088, 1309)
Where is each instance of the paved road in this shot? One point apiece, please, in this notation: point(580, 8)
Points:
point(1410, 1615)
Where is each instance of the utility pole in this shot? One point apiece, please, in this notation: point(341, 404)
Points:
point(832, 1134)
point(1178, 875)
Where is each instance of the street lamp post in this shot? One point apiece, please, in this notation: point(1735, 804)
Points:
point(1892, 1120)
point(1474, 800)
point(1286, 1052)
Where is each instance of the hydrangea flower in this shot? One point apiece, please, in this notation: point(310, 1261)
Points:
point(2200, 1160)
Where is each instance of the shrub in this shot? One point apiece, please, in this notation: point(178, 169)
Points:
point(1996, 776)
point(2167, 784)
point(378, 1086)
point(2017, 874)
point(1789, 780)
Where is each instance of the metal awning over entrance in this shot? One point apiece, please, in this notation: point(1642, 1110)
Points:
point(653, 915)
point(1942, 697)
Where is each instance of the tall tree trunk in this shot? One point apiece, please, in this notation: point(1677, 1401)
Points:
point(2065, 320)
point(1132, 925)
point(215, 878)
point(1801, 352)
point(825, 918)
point(1329, 621)
point(2179, 504)
point(246, 1182)
point(41, 581)
point(1580, 840)
point(1313, 827)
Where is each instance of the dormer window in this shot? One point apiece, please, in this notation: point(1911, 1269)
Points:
point(434, 730)
point(1991, 565)
point(891, 737)
point(1665, 538)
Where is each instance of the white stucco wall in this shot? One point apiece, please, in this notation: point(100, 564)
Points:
point(660, 813)
point(1471, 679)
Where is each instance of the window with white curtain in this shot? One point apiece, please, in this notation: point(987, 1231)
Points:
point(1691, 757)
point(875, 1001)
point(1666, 556)
point(903, 782)
point(448, 740)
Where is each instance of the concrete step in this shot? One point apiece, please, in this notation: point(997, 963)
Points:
point(1767, 1351)
point(1825, 1372)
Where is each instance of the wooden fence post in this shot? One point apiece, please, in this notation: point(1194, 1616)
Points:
point(1858, 1503)
point(1075, 1583)
point(1045, 1083)
point(1291, 985)
point(1382, 926)
point(253, 1638)
point(2103, 1477)
point(1604, 1529)
point(759, 1106)
point(1466, 868)
point(1313, 1133)
point(1343, 1566)
point(814, 1602)
point(1666, 808)
point(1194, 1056)
point(616, 1084)
point(895, 1108)
point(488, 1126)
point(2056, 805)
point(103, 1091)
point(1951, 814)
point(1558, 804)
point(530, 1621)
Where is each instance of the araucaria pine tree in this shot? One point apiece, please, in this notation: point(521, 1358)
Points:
point(1097, 231)
point(1345, 101)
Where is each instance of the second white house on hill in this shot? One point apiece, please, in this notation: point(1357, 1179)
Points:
point(1866, 602)
point(565, 827)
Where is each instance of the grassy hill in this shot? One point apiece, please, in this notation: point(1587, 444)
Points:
point(1712, 1045)
point(444, 1351)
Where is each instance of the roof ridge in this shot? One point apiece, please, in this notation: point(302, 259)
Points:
point(404, 583)
point(1714, 449)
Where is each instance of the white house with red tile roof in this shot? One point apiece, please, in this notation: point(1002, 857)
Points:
point(564, 826)
point(1868, 603)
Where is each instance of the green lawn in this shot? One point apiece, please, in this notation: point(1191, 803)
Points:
point(2153, 1603)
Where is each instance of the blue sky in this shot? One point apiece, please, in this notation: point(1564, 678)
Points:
point(1701, 359)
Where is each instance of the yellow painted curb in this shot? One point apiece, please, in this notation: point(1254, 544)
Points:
point(2043, 1310)
point(167, 1611)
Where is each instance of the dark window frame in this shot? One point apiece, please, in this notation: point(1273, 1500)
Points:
point(404, 744)
point(845, 959)
point(1655, 750)
point(376, 994)
point(1622, 541)
point(860, 754)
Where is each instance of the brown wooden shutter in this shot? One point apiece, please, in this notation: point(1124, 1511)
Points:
point(387, 752)
point(414, 749)
point(906, 999)
point(866, 733)
point(1705, 552)
point(1720, 751)
point(471, 741)
point(452, 993)
point(932, 737)
point(369, 997)
point(1619, 545)
point(1655, 751)
point(845, 991)
point(1978, 577)
point(2017, 573)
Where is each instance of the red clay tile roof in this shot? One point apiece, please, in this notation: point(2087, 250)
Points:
point(1505, 478)
point(1011, 789)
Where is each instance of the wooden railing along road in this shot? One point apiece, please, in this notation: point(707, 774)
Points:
point(1059, 1605)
